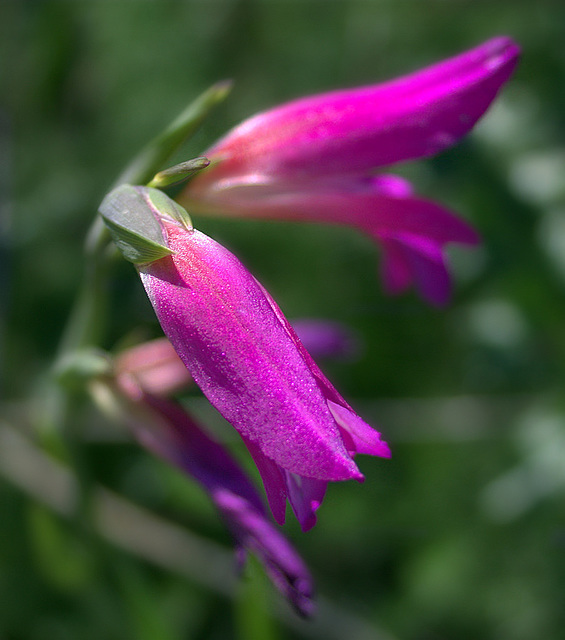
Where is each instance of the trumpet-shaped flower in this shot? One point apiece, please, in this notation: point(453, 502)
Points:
point(166, 429)
point(248, 361)
point(316, 159)
point(242, 353)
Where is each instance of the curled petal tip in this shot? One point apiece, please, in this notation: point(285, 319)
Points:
point(501, 50)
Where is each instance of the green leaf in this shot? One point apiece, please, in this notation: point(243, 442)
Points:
point(61, 556)
point(134, 225)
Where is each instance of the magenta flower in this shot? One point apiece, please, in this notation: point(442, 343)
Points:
point(315, 159)
point(327, 339)
point(170, 432)
point(250, 364)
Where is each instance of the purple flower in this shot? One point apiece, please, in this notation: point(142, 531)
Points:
point(327, 339)
point(166, 429)
point(250, 364)
point(315, 159)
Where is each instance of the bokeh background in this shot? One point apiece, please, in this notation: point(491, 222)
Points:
point(462, 534)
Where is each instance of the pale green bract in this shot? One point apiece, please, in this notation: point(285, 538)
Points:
point(179, 173)
point(131, 215)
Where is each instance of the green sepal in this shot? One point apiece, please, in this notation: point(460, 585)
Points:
point(178, 173)
point(133, 224)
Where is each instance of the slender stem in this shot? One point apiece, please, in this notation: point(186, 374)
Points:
point(87, 320)
point(85, 328)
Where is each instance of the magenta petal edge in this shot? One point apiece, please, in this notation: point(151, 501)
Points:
point(325, 159)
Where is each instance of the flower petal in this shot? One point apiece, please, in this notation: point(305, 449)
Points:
point(364, 439)
point(166, 429)
point(411, 231)
point(326, 339)
point(365, 208)
point(273, 480)
point(395, 269)
point(358, 436)
point(305, 496)
point(409, 259)
point(284, 566)
point(156, 367)
point(352, 131)
point(218, 319)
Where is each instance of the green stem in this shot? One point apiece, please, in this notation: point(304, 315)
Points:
point(87, 320)
point(86, 325)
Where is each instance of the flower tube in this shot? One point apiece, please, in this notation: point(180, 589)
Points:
point(246, 358)
point(321, 159)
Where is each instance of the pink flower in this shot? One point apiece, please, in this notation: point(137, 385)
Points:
point(156, 366)
point(250, 364)
point(315, 159)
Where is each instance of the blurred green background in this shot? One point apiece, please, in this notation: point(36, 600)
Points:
point(462, 534)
